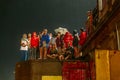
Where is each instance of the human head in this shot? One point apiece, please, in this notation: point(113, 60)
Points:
point(29, 35)
point(89, 12)
point(24, 35)
point(45, 31)
point(67, 33)
point(34, 34)
point(54, 35)
point(75, 32)
point(59, 34)
point(81, 30)
point(53, 46)
point(50, 34)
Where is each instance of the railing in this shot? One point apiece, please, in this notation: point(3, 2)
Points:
point(98, 23)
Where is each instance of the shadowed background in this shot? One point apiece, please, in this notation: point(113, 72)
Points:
point(24, 16)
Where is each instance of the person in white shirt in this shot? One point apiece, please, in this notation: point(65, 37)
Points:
point(24, 48)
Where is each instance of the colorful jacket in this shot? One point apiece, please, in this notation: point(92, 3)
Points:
point(68, 39)
point(82, 37)
point(45, 38)
point(34, 40)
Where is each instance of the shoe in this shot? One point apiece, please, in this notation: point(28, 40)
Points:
point(45, 58)
point(40, 58)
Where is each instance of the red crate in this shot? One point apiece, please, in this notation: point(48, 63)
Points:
point(77, 74)
point(82, 65)
point(92, 70)
point(75, 64)
point(75, 70)
point(65, 76)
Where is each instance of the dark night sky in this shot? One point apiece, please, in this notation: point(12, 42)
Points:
point(23, 16)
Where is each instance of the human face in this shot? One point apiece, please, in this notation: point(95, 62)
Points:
point(24, 35)
point(29, 35)
point(45, 31)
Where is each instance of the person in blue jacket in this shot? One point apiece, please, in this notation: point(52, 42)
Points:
point(44, 44)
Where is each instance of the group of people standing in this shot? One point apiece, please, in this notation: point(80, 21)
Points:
point(54, 46)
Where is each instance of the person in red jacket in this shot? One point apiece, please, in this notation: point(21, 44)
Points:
point(82, 37)
point(68, 39)
point(34, 45)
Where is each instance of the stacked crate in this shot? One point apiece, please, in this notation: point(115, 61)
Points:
point(75, 70)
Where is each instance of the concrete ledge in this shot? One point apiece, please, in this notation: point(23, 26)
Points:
point(35, 69)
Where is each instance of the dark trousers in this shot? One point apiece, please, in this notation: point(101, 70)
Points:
point(33, 53)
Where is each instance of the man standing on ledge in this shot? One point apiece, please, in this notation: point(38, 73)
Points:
point(44, 44)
